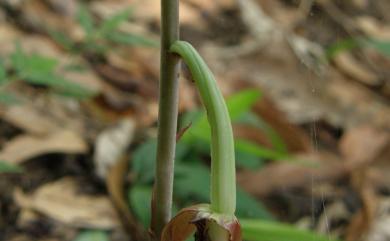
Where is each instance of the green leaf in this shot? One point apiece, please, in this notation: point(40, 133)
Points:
point(249, 207)
point(94, 47)
point(85, 20)
point(262, 152)
point(131, 39)
point(183, 150)
point(340, 46)
point(112, 23)
point(140, 200)
point(3, 74)
point(28, 65)
point(6, 167)
point(61, 85)
point(248, 160)
point(64, 40)
point(37, 69)
point(192, 180)
point(69, 89)
point(255, 121)
point(242, 102)
point(17, 57)
point(381, 46)
point(237, 105)
point(74, 67)
point(143, 161)
point(259, 230)
point(92, 235)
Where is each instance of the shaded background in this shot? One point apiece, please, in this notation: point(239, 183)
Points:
point(307, 85)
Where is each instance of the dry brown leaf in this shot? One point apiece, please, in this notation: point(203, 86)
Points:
point(147, 10)
point(190, 10)
point(86, 78)
point(67, 8)
point(140, 61)
point(352, 104)
point(362, 221)
point(337, 210)
point(318, 167)
point(26, 216)
point(298, 92)
point(351, 67)
point(40, 17)
point(187, 95)
point(24, 147)
point(294, 137)
point(62, 202)
point(127, 81)
point(282, 175)
point(43, 46)
point(373, 28)
point(214, 6)
point(380, 229)
point(8, 35)
point(36, 44)
point(27, 118)
point(361, 4)
point(116, 188)
point(363, 143)
point(310, 53)
point(111, 144)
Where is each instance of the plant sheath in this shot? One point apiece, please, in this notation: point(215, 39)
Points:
point(223, 178)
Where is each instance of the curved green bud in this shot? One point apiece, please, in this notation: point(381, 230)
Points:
point(223, 177)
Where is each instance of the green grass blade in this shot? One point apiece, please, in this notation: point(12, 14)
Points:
point(381, 46)
point(6, 167)
point(131, 39)
point(262, 152)
point(242, 102)
point(259, 230)
point(92, 235)
point(85, 20)
point(3, 74)
point(112, 23)
point(62, 39)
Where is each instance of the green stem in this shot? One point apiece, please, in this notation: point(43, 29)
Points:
point(223, 178)
point(168, 111)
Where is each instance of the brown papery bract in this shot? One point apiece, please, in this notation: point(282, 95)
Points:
point(193, 219)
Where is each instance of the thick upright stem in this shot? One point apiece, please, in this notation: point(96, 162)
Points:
point(168, 108)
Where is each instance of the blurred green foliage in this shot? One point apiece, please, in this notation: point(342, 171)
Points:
point(37, 70)
point(92, 235)
point(260, 230)
point(101, 37)
point(192, 174)
point(382, 47)
point(6, 167)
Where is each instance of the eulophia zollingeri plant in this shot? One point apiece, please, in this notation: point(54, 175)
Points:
point(215, 221)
